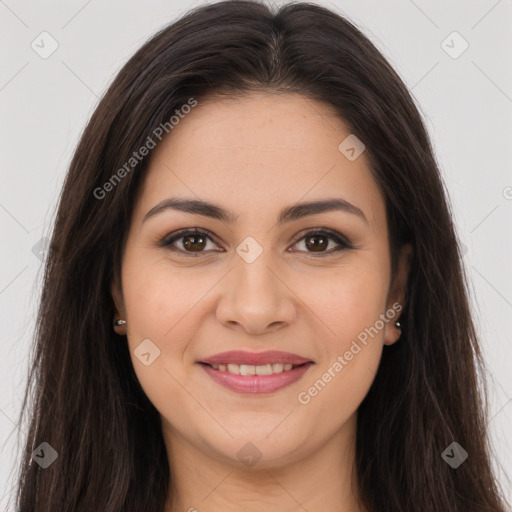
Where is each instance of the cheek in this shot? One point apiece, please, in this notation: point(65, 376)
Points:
point(350, 351)
point(159, 299)
point(348, 301)
point(350, 307)
point(161, 308)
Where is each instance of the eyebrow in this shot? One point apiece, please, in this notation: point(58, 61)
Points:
point(288, 214)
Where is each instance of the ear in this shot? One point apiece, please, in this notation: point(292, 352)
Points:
point(117, 297)
point(397, 294)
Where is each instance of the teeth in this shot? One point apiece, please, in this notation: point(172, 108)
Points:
point(265, 369)
point(232, 368)
point(249, 369)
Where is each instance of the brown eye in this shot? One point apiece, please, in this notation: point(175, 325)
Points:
point(318, 242)
point(194, 242)
point(188, 242)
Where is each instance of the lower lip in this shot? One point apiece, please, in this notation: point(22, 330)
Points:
point(256, 384)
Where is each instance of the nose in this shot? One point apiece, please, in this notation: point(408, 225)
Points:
point(256, 298)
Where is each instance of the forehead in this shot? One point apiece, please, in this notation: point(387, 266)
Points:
point(257, 150)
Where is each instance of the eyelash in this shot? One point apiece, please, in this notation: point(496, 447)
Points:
point(167, 241)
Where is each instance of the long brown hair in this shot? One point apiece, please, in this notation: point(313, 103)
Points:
point(87, 402)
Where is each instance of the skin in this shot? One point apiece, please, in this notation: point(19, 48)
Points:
point(256, 155)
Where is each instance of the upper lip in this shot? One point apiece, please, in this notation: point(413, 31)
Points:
point(255, 358)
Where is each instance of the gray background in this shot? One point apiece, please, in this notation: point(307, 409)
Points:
point(466, 101)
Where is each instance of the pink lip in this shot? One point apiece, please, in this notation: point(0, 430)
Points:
point(255, 384)
point(255, 358)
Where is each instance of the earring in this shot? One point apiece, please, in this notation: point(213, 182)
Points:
point(397, 325)
point(119, 323)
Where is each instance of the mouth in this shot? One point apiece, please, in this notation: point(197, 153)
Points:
point(249, 369)
point(268, 373)
point(248, 359)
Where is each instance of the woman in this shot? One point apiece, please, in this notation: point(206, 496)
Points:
point(254, 297)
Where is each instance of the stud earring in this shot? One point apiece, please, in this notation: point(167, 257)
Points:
point(397, 325)
point(119, 323)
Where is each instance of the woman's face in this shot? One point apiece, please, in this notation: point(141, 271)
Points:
point(258, 279)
